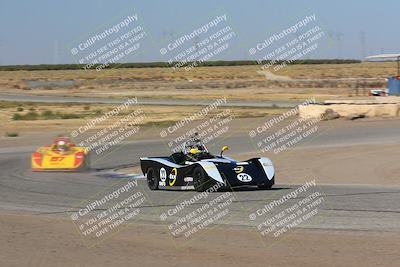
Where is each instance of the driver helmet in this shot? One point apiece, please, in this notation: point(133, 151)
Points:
point(194, 151)
point(61, 145)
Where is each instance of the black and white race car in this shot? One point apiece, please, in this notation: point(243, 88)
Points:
point(196, 168)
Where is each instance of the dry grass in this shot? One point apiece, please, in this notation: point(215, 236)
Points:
point(234, 82)
point(326, 71)
point(154, 115)
point(312, 71)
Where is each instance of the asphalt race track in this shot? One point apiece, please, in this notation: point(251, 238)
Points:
point(346, 207)
point(158, 102)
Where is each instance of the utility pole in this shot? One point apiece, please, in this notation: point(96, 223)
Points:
point(196, 42)
point(363, 41)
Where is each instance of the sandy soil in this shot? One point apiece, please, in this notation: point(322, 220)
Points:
point(44, 241)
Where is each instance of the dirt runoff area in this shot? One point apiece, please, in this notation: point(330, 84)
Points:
point(28, 240)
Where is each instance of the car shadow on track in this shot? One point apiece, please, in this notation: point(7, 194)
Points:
point(252, 188)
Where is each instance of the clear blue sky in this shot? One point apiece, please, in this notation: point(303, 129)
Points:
point(44, 31)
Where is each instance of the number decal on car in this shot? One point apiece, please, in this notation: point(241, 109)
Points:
point(57, 158)
point(244, 177)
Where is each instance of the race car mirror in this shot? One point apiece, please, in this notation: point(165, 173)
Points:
point(224, 148)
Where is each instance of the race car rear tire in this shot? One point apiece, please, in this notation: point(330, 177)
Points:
point(201, 182)
point(152, 179)
point(86, 164)
point(88, 161)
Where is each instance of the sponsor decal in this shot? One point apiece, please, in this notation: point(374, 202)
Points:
point(172, 176)
point(163, 177)
point(238, 169)
point(188, 179)
point(57, 158)
point(244, 177)
point(163, 174)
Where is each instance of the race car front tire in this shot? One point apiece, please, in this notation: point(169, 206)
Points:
point(152, 179)
point(267, 185)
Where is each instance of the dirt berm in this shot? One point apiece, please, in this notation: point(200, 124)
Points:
point(384, 107)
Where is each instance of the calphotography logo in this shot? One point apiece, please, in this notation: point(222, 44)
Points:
point(110, 129)
point(111, 45)
point(289, 212)
point(210, 40)
point(99, 218)
point(289, 45)
point(210, 123)
point(285, 131)
point(194, 215)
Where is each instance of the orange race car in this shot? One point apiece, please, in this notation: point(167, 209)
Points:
point(62, 155)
